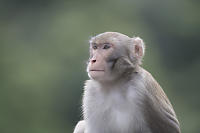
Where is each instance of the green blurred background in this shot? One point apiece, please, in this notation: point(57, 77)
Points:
point(44, 49)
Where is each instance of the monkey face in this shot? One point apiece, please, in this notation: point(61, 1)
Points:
point(112, 55)
point(99, 68)
point(105, 52)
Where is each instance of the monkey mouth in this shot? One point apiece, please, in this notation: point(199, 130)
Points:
point(96, 70)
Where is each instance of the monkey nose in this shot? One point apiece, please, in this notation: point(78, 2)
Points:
point(93, 61)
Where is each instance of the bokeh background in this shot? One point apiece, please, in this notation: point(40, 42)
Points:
point(44, 49)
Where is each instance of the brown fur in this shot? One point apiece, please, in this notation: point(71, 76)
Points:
point(122, 97)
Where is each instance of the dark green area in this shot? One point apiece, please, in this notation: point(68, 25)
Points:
point(44, 49)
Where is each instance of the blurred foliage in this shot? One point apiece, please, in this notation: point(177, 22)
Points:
point(44, 49)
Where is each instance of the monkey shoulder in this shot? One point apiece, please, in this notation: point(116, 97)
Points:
point(157, 107)
point(80, 127)
point(152, 86)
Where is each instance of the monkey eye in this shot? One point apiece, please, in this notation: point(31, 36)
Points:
point(94, 47)
point(106, 46)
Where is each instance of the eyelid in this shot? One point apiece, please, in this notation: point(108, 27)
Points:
point(107, 45)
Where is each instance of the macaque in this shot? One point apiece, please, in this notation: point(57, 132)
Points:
point(122, 97)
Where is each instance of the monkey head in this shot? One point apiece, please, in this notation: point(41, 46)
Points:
point(113, 55)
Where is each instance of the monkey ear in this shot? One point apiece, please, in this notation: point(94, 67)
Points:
point(139, 48)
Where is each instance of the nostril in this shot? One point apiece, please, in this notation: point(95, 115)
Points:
point(93, 61)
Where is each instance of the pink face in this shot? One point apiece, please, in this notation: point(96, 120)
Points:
point(111, 54)
point(98, 67)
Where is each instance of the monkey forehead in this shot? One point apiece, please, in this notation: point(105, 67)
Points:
point(109, 37)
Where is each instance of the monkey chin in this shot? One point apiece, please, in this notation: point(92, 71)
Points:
point(97, 75)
